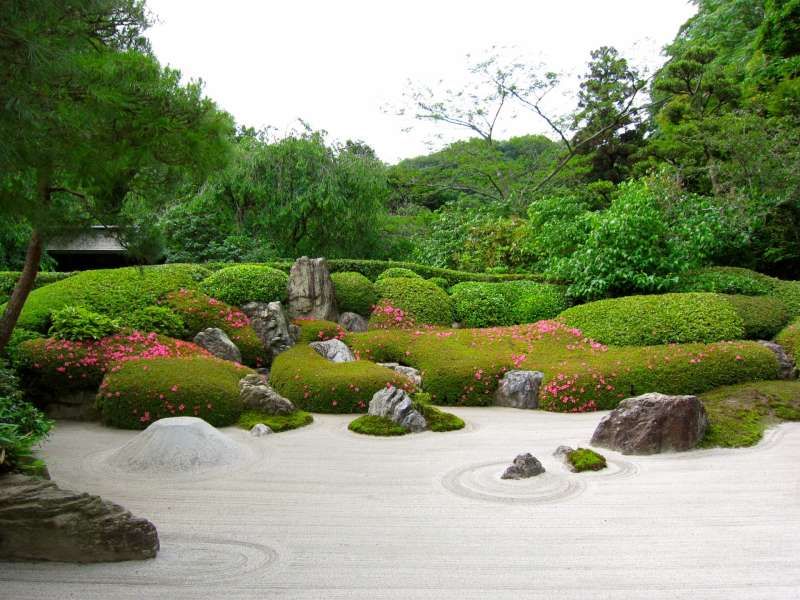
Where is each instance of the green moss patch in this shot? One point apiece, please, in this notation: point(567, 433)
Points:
point(373, 425)
point(240, 284)
point(586, 459)
point(739, 414)
point(277, 423)
point(318, 330)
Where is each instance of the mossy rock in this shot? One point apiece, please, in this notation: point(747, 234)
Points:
point(277, 423)
point(586, 459)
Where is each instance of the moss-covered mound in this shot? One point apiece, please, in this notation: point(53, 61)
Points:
point(660, 319)
point(762, 316)
point(49, 367)
point(739, 414)
point(511, 303)
point(199, 311)
point(463, 367)
point(354, 293)
point(422, 302)
point(139, 392)
point(277, 423)
point(374, 425)
point(240, 284)
point(726, 280)
point(438, 420)
point(586, 459)
point(113, 292)
point(318, 330)
point(316, 384)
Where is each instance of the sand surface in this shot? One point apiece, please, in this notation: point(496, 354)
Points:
point(322, 513)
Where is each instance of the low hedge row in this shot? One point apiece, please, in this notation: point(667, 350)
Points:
point(142, 391)
point(316, 384)
point(726, 280)
point(8, 279)
point(113, 292)
point(240, 284)
point(354, 293)
point(422, 301)
point(762, 316)
point(198, 311)
point(510, 303)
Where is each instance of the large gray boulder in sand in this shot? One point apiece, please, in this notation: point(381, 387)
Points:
point(175, 445)
point(218, 343)
point(524, 466)
point(310, 290)
point(271, 324)
point(519, 389)
point(40, 521)
point(653, 423)
point(395, 404)
point(334, 350)
point(256, 394)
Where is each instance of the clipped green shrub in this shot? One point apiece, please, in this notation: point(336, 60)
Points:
point(354, 293)
point(399, 272)
point(277, 423)
point(533, 301)
point(18, 336)
point(8, 279)
point(789, 293)
point(514, 302)
point(140, 392)
point(422, 301)
point(375, 425)
point(726, 280)
point(112, 292)
point(160, 319)
point(240, 284)
point(658, 319)
point(199, 311)
point(762, 316)
point(22, 426)
point(789, 338)
point(318, 330)
point(316, 384)
point(440, 281)
point(78, 323)
point(49, 367)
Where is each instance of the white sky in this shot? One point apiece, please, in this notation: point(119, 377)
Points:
point(336, 64)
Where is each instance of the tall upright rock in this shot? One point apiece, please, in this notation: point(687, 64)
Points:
point(310, 290)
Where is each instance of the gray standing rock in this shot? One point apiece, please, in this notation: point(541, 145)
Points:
point(40, 521)
point(334, 350)
point(410, 372)
point(653, 423)
point(524, 466)
point(395, 404)
point(260, 430)
point(788, 369)
point(218, 343)
point(271, 324)
point(310, 290)
point(256, 394)
point(519, 389)
point(351, 321)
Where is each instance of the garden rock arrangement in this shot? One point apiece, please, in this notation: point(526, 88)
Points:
point(524, 466)
point(334, 350)
point(256, 394)
point(519, 389)
point(310, 290)
point(653, 423)
point(788, 369)
point(260, 430)
point(582, 459)
point(395, 404)
point(218, 343)
point(269, 321)
point(353, 322)
point(40, 521)
point(175, 445)
point(410, 372)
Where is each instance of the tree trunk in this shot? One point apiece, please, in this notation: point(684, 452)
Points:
point(21, 289)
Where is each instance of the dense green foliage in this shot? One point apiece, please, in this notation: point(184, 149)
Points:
point(489, 304)
point(422, 302)
point(277, 423)
point(399, 272)
point(22, 426)
point(8, 279)
point(662, 319)
point(762, 316)
point(354, 292)
point(789, 338)
point(726, 280)
point(113, 292)
point(159, 319)
point(313, 330)
point(739, 414)
point(375, 425)
point(78, 323)
point(241, 284)
point(142, 391)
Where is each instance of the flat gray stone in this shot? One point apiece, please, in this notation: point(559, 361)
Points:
point(334, 350)
point(256, 394)
point(410, 372)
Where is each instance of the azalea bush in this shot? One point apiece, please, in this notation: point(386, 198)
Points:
point(419, 299)
point(354, 292)
point(318, 330)
point(240, 284)
point(158, 319)
point(726, 280)
point(78, 323)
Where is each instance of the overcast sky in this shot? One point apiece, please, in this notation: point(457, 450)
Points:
point(338, 64)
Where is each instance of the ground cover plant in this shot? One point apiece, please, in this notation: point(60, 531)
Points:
point(137, 392)
point(318, 330)
point(739, 414)
point(421, 301)
point(789, 338)
point(277, 423)
point(375, 425)
point(240, 284)
point(586, 459)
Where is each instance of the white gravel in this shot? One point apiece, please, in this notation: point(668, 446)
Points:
point(322, 513)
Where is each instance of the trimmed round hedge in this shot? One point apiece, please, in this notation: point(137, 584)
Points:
point(658, 319)
point(142, 391)
point(399, 272)
point(789, 338)
point(113, 292)
point(762, 316)
point(241, 284)
point(514, 302)
point(199, 311)
point(354, 293)
point(8, 281)
point(726, 280)
point(424, 302)
point(788, 292)
point(316, 384)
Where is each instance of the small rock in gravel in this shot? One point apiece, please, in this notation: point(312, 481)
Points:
point(524, 466)
point(260, 430)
